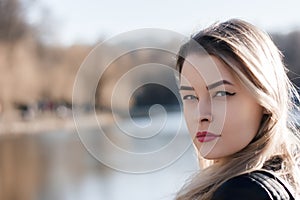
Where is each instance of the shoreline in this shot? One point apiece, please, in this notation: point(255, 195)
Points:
point(46, 123)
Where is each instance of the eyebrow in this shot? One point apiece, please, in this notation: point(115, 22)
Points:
point(213, 85)
point(209, 87)
point(186, 88)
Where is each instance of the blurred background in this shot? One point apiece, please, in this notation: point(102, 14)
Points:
point(43, 43)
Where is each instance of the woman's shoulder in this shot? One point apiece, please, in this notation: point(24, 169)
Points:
point(258, 185)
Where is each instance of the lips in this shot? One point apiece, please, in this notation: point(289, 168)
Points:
point(205, 136)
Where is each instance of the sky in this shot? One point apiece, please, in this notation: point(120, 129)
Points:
point(86, 21)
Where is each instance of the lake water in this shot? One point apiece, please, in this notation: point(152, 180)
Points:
point(63, 165)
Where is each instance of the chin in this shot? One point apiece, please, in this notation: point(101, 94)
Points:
point(210, 157)
point(213, 155)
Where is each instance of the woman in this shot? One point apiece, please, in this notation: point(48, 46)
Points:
point(237, 102)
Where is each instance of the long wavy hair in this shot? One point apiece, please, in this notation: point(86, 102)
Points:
point(253, 57)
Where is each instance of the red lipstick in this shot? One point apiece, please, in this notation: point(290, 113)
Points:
point(205, 136)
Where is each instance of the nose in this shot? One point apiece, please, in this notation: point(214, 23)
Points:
point(205, 118)
point(204, 110)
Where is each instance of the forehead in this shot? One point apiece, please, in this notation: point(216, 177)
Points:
point(207, 68)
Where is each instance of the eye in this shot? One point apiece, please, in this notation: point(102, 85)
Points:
point(190, 97)
point(223, 93)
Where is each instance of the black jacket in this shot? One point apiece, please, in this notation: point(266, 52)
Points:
point(257, 185)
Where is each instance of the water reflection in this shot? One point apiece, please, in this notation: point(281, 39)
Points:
point(55, 165)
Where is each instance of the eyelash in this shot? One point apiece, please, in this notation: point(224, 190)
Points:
point(224, 93)
point(190, 97)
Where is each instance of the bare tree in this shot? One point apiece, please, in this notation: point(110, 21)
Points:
point(289, 44)
point(13, 25)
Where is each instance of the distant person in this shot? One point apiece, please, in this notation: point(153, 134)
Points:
point(237, 101)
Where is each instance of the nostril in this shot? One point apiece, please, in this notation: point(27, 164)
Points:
point(206, 118)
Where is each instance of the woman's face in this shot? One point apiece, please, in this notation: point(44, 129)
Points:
point(221, 114)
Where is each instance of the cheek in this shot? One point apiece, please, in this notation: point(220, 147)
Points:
point(190, 118)
point(249, 115)
point(239, 128)
point(242, 124)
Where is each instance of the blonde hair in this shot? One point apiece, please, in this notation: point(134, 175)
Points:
point(253, 57)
